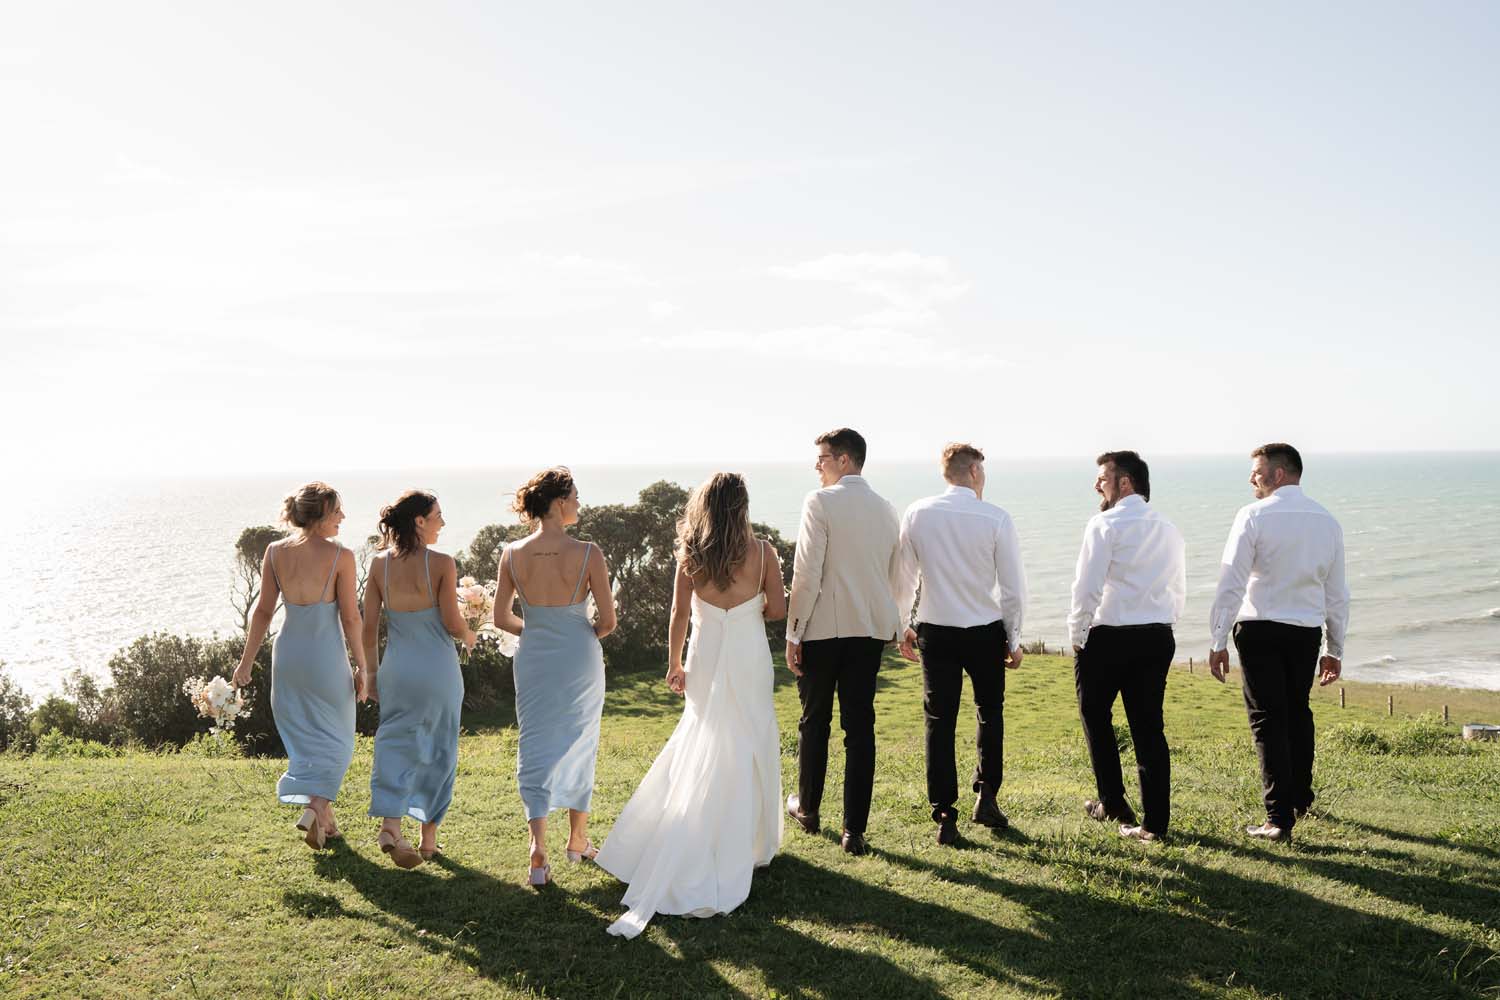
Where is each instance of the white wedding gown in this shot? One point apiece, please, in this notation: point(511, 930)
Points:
point(709, 810)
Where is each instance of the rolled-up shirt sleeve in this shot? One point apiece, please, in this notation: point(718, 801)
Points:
point(1234, 576)
point(1088, 581)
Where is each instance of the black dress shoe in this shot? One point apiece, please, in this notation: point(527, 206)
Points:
point(1269, 831)
point(987, 813)
point(1094, 809)
point(808, 821)
point(854, 843)
point(947, 831)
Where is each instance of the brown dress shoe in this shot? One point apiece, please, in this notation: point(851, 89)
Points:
point(1094, 809)
point(808, 821)
point(854, 843)
point(947, 831)
point(987, 813)
point(1271, 832)
point(1138, 833)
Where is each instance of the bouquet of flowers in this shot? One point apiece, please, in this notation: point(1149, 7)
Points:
point(215, 698)
point(476, 602)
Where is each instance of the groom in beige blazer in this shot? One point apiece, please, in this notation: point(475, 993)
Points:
point(840, 616)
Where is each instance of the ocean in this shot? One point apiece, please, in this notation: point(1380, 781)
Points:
point(92, 566)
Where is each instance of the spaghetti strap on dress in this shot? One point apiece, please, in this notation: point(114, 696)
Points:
point(559, 680)
point(421, 691)
point(312, 694)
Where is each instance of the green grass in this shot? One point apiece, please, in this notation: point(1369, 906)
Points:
point(177, 875)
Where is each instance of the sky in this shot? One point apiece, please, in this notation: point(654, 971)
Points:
point(248, 238)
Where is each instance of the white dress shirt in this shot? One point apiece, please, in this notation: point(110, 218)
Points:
point(967, 556)
point(1284, 562)
point(1132, 570)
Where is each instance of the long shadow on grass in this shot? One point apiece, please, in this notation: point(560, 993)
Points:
point(1407, 881)
point(1171, 927)
point(1415, 838)
point(555, 941)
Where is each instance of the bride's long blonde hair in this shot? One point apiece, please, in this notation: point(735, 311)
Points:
point(714, 536)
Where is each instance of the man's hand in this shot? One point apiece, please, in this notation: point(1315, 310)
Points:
point(1329, 669)
point(1077, 652)
point(794, 657)
point(909, 645)
point(1218, 664)
point(1014, 659)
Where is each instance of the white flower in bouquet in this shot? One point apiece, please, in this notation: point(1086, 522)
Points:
point(215, 698)
point(476, 602)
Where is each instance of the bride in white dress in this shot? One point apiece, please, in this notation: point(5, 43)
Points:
point(709, 810)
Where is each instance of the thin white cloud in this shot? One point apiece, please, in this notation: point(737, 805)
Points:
point(852, 345)
point(906, 280)
point(662, 309)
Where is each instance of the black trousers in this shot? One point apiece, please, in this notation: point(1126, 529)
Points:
point(1132, 662)
point(845, 668)
point(948, 653)
point(1277, 666)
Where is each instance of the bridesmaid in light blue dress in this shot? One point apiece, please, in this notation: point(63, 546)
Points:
point(559, 666)
point(312, 688)
point(418, 683)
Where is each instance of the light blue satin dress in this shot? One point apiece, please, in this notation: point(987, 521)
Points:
point(559, 677)
point(312, 695)
point(421, 694)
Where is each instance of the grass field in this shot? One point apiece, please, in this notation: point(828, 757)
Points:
point(179, 875)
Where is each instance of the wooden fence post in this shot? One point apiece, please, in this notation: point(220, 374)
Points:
point(1341, 698)
point(1445, 715)
point(1390, 705)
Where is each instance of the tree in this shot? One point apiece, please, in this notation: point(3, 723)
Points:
point(481, 559)
point(56, 713)
point(638, 541)
point(249, 557)
point(15, 713)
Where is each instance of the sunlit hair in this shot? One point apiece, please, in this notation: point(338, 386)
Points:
point(1128, 463)
point(308, 506)
point(958, 459)
point(398, 521)
point(534, 500)
point(1279, 454)
point(713, 535)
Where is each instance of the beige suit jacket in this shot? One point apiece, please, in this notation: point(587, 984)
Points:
point(847, 548)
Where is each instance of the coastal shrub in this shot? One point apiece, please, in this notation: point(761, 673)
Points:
point(207, 745)
point(1423, 735)
point(56, 714)
point(1357, 737)
point(488, 680)
point(148, 676)
point(637, 540)
point(55, 744)
point(15, 715)
point(97, 708)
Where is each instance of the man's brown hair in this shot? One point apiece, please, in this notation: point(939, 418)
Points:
point(844, 441)
point(1280, 454)
point(958, 459)
point(1128, 463)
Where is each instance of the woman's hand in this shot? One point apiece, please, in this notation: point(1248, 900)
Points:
point(470, 637)
point(371, 690)
point(676, 678)
point(361, 686)
point(242, 674)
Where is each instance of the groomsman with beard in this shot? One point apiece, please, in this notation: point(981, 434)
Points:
point(840, 616)
point(1280, 583)
point(967, 557)
point(1128, 591)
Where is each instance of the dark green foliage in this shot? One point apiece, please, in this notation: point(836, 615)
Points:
point(249, 557)
point(148, 676)
point(56, 714)
point(637, 541)
point(15, 714)
point(481, 559)
point(98, 709)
